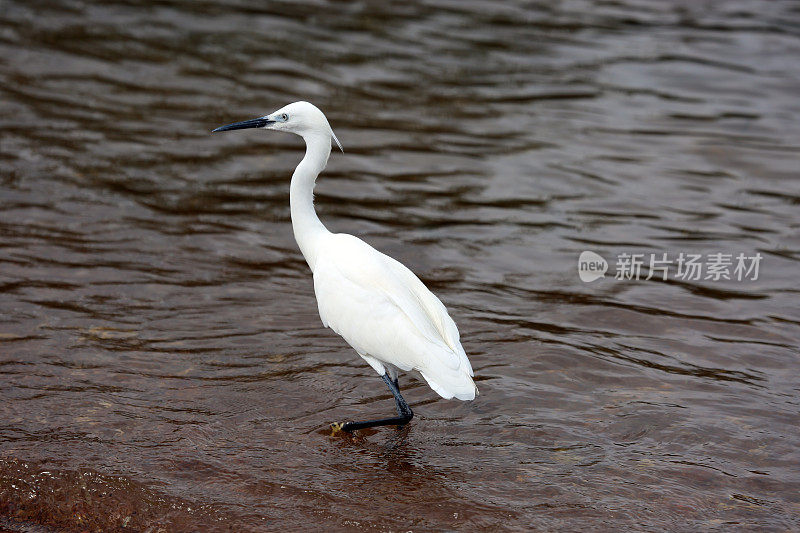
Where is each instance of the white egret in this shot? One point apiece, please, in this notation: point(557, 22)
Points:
point(377, 304)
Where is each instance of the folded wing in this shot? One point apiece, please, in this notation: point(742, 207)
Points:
point(383, 310)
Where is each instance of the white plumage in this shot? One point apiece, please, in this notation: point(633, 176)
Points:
point(388, 316)
point(373, 301)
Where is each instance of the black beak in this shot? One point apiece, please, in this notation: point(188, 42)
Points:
point(254, 123)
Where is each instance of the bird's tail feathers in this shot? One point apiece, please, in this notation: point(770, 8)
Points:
point(449, 383)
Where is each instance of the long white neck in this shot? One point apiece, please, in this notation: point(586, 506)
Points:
point(306, 224)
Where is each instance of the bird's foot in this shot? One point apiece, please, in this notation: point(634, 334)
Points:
point(337, 427)
point(347, 427)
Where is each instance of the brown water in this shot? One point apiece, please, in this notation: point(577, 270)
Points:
point(163, 365)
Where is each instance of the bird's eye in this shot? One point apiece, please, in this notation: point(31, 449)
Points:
point(284, 117)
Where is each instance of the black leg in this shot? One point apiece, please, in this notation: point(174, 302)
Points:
point(403, 410)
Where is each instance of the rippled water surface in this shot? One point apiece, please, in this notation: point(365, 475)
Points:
point(163, 364)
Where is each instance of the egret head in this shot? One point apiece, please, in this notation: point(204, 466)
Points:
point(300, 118)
